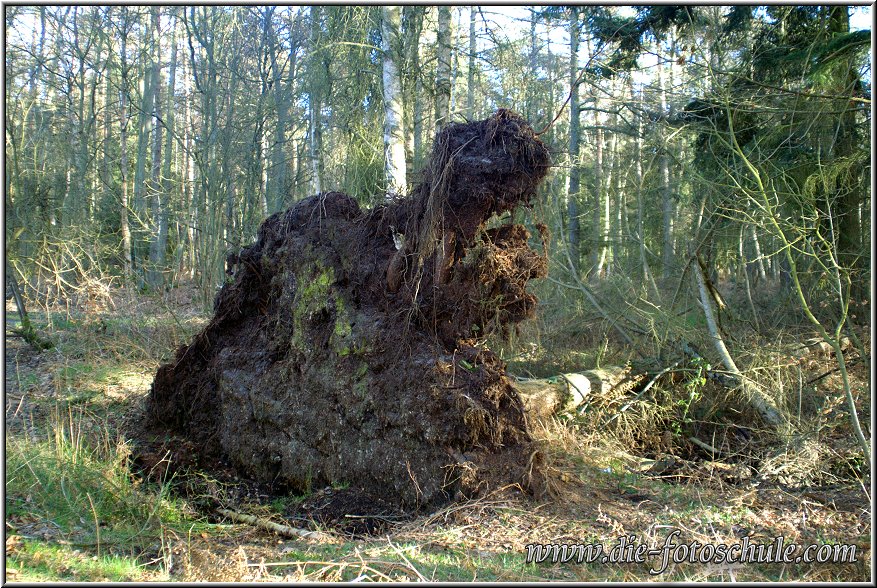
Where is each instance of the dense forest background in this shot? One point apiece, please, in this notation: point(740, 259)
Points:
point(146, 143)
point(716, 156)
point(709, 213)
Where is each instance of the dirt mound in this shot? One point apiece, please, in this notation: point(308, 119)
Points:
point(347, 510)
point(347, 350)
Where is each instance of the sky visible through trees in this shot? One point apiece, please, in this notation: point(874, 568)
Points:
point(162, 136)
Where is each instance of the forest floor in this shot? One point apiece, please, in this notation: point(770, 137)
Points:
point(76, 512)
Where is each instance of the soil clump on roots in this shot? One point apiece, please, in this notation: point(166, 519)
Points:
point(348, 349)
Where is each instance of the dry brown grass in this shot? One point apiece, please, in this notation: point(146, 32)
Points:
point(603, 480)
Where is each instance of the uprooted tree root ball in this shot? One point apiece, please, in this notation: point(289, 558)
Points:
point(348, 350)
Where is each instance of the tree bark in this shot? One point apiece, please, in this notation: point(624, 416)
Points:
point(123, 144)
point(277, 181)
point(443, 66)
point(765, 405)
point(601, 203)
point(545, 397)
point(315, 135)
point(638, 155)
point(573, 225)
point(470, 73)
point(145, 127)
point(666, 191)
point(394, 140)
point(165, 183)
point(156, 251)
point(412, 85)
point(849, 190)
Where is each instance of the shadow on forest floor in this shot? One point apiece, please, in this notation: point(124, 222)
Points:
point(76, 512)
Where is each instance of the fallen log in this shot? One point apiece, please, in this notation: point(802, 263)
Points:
point(543, 397)
point(261, 523)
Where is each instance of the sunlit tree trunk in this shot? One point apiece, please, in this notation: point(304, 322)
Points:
point(666, 190)
point(572, 206)
point(762, 271)
point(470, 73)
point(456, 40)
point(600, 202)
point(163, 182)
point(443, 66)
point(638, 163)
point(123, 142)
point(156, 257)
point(411, 80)
point(614, 195)
point(277, 180)
point(418, 102)
point(314, 102)
point(394, 140)
point(149, 89)
point(533, 52)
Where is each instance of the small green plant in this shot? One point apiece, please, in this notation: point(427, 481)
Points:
point(694, 389)
point(601, 352)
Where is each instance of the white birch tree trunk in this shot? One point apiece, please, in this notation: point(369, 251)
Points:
point(394, 136)
point(759, 400)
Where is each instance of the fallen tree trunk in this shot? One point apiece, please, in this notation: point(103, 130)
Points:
point(762, 402)
point(284, 530)
point(544, 397)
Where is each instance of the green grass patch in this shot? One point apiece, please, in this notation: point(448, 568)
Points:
point(74, 488)
point(35, 561)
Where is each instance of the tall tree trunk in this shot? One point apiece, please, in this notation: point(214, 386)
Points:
point(762, 271)
point(394, 140)
point(443, 66)
point(277, 181)
point(190, 197)
point(600, 216)
point(666, 190)
point(123, 144)
point(147, 104)
point(314, 102)
point(108, 121)
point(742, 253)
point(573, 226)
point(79, 149)
point(638, 162)
point(159, 257)
point(612, 225)
point(849, 189)
point(411, 82)
point(470, 73)
point(529, 104)
point(418, 103)
point(456, 35)
point(156, 257)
